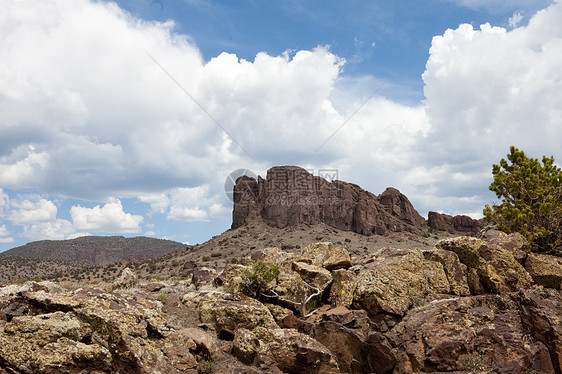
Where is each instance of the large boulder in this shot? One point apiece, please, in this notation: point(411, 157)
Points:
point(514, 242)
point(235, 312)
point(496, 267)
point(315, 276)
point(127, 279)
point(396, 280)
point(544, 269)
point(508, 333)
point(290, 195)
point(326, 255)
point(287, 349)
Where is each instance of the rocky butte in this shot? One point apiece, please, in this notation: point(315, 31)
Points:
point(474, 303)
point(289, 195)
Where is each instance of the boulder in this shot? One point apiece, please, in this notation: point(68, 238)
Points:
point(455, 270)
point(290, 195)
point(545, 270)
point(396, 280)
point(344, 333)
point(496, 267)
point(287, 349)
point(271, 255)
point(488, 333)
point(127, 279)
point(315, 276)
point(343, 288)
point(236, 312)
point(514, 243)
point(326, 255)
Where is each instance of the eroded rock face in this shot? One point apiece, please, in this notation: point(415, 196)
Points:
point(290, 196)
point(454, 224)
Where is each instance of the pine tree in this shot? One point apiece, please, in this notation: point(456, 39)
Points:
point(531, 199)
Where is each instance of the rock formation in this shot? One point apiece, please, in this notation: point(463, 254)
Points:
point(290, 196)
point(454, 224)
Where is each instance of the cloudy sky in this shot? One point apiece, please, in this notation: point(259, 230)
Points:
point(125, 118)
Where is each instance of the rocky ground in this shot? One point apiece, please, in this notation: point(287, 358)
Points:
point(461, 305)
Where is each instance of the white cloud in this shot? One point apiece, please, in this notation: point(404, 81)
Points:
point(58, 229)
point(26, 212)
point(159, 202)
point(185, 204)
point(487, 89)
point(515, 19)
point(110, 218)
point(4, 201)
point(73, 121)
point(5, 235)
point(219, 210)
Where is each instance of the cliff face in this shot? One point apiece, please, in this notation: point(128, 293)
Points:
point(289, 195)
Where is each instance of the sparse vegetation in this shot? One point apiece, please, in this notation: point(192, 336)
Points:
point(256, 280)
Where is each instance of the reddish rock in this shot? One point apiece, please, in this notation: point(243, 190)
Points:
point(290, 196)
point(454, 224)
point(509, 333)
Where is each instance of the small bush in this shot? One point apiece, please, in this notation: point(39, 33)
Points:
point(163, 296)
point(257, 279)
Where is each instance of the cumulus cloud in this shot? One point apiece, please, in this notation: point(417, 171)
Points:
point(57, 229)
point(92, 116)
point(5, 235)
point(185, 204)
point(79, 126)
point(109, 218)
point(26, 212)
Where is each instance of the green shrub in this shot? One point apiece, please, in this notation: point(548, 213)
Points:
point(256, 280)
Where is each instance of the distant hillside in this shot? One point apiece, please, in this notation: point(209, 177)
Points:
point(96, 250)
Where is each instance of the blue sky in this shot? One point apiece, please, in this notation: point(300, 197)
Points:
point(97, 139)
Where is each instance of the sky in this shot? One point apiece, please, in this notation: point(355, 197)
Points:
point(127, 117)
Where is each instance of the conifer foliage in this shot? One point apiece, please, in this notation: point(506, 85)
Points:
point(531, 199)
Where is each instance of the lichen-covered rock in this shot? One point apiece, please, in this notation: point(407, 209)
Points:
point(232, 278)
point(545, 270)
point(396, 280)
point(236, 312)
point(514, 243)
point(315, 276)
point(287, 349)
point(496, 267)
point(508, 333)
point(454, 269)
point(127, 279)
point(93, 329)
point(272, 255)
point(326, 255)
point(343, 287)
